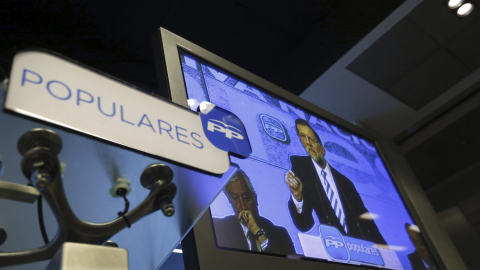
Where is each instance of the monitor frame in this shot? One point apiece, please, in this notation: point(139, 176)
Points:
point(200, 250)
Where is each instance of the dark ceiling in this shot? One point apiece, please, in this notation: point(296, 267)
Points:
point(299, 38)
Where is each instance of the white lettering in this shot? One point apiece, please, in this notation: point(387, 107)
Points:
point(212, 126)
point(362, 249)
point(232, 134)
point(330, 242)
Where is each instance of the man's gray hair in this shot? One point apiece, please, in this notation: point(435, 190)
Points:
point(240, 174)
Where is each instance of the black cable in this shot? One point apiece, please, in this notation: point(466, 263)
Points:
point(40, 219)
point(123, 193)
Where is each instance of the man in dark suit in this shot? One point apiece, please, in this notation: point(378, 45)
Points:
point(317, 186)
point(247, 229)
point(421, 258)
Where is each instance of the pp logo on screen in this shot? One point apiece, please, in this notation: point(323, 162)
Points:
point(334, 243)
point(224, 130)
point(231, 132)
point(273, 128)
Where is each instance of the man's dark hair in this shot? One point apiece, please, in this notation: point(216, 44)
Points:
point(300, 121)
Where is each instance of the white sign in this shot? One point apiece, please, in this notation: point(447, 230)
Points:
point(47, 87)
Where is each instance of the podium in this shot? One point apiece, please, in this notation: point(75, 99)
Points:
point(90, 169)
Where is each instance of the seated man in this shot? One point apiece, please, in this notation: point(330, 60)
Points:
point(247, 229)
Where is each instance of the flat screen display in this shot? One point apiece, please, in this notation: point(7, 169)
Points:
point(310, 189)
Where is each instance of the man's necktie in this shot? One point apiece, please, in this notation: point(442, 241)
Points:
point(334, 201)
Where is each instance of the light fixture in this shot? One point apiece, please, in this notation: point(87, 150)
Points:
point(465, 9)
point(453, 4)
point(459, 7)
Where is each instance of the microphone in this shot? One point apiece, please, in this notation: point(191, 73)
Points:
point(156, 172)
point(161, 173)
point(37, 145)
point(39, 137)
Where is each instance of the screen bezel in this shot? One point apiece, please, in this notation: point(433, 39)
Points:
point(170, 74)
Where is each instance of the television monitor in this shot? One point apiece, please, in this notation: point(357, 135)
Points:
point(367, 211)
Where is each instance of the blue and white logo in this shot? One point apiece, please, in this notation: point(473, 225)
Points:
point(41, 85)
point(273, 128)
point(346, 249)
point(334, 243)
point(224, 130)
point(230, 132)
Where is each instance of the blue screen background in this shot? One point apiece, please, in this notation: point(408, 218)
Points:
point(269, 122)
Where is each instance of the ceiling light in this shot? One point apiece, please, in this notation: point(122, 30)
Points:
point(453, 4)
point(465, 9)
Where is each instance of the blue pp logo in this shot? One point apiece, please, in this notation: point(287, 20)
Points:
point(273, 128)
point(230, 132)
point(334, 243)
point(225, 130)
